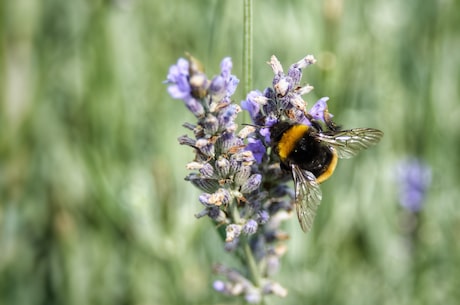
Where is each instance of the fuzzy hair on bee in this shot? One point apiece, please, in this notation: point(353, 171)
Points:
point(311, 154)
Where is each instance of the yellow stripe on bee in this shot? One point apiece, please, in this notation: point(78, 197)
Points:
point(289, 140)
point(330, 169)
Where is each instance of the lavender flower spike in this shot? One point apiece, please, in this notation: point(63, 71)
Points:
point(414, 178)
point(244, 190)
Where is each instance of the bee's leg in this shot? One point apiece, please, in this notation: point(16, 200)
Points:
point(315, 124)
point(284, 167)
point(330, 123)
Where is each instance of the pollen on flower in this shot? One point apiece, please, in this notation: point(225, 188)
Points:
point(221, 197)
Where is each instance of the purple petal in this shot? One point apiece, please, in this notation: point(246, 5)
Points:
point(232, 84)
point(226, 67)
point(257, 148)
point(251, 105)
point(178, 78)
point(319, 108)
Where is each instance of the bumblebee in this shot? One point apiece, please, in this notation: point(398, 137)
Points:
point(311, 155)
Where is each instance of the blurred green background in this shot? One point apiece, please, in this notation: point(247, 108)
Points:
point(93, 206)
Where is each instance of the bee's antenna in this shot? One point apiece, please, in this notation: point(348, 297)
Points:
point(252, 125)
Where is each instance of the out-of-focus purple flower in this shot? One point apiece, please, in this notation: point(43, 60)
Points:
point(253, 296)
point(250, 227)
point(263, 217)
point(276, 289)
point(178, 78)
point(219, 286)
point(414, 178)
point(257, 148)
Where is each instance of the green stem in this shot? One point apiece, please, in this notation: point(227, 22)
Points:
point(247, 79)
point(250, 260)
point(247, 46)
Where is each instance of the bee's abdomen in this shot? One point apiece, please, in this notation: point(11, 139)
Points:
point(313, 156)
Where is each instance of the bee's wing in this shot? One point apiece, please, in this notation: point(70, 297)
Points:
point(307, 196)
point(348, 143)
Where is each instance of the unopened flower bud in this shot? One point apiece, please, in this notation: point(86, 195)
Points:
point(211, 124)
point(205, 146)
point(223, 167)
point(204, 184)
point(251, 184)
point(207, 171)
point(242, 175)
point(233, 231)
